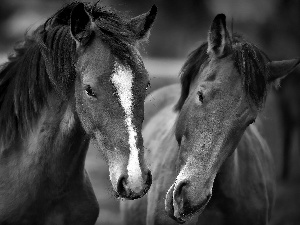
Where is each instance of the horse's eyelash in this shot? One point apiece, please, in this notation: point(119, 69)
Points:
point(148, 85)
point(89, 91)
point(200, 96)
point(252, 121)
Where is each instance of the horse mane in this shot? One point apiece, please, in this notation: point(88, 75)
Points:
point(249, 60)
point(45, 61)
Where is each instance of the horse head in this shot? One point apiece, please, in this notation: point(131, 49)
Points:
point(110, 89)
point(224, 85)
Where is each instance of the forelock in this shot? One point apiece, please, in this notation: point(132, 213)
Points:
point(251, 64)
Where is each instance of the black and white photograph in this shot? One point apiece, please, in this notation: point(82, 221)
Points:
point(158, 112)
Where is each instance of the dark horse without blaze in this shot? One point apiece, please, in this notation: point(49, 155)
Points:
point(209, 162)
point(78, 76)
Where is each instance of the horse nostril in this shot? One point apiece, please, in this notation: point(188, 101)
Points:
point(148, 179)
point(208, 198)
point(179, 194)
point(122, 186)
point(124, 189)
point(186, 202)
point(180, 188)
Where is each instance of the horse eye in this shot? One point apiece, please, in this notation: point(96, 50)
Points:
point(252, 121)
point(148, 85)
point(89, 91)
point(147, 88)
point(200, 96)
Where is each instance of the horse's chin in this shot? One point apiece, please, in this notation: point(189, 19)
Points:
point(178, 213)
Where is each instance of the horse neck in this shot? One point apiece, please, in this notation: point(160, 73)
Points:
point(250, 162)
point(59, 141)
point(230, 169)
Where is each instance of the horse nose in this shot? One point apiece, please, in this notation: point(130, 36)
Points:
point(184, 204)
point(125, 191)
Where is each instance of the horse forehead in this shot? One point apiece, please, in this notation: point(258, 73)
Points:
point(222, 68)
point(98, 54)
point(222, 87)
point(220, 74)
point(94, 60)
point(99, 64)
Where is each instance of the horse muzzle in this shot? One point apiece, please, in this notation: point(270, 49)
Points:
point(181, 205)
point(132, 190)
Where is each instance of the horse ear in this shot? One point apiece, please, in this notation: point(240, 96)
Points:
point(62, 16)
point(280, 69)
point(81, 24)
point(219, 41)
point(142, 24)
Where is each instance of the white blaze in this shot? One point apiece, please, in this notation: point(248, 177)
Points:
point(122, 79)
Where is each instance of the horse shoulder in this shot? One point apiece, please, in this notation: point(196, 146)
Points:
point(162, 154)
point(157, 131)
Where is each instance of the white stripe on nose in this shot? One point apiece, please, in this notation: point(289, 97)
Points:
point(122, 78)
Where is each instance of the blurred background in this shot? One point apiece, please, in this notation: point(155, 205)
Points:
point(181, 26)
